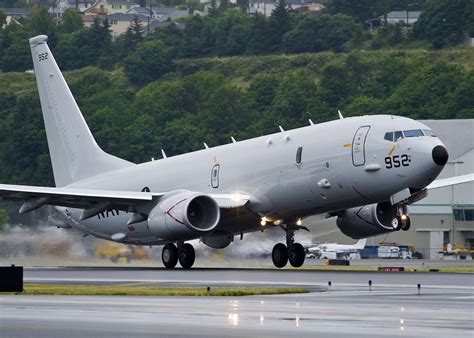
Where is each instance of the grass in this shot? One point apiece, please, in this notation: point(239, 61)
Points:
point(130, 290)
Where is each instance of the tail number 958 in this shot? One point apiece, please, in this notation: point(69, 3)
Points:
point(397, 161)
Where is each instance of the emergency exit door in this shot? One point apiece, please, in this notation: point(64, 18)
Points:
point(358, 146)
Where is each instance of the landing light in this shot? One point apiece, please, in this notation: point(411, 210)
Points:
point(263, 222)
point(236, 197)
point(278, 222)
point(403, 217)
point(299, 222)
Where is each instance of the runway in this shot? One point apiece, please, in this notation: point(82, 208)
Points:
point(392, 309)
point(245, 277)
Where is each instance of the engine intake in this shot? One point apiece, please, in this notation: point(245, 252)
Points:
point(183, 216)
point(369, 220)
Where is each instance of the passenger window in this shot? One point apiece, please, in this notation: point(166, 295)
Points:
point(429, 132)
point(299, 154)
point(413, 133)
point(398, 136)
point(389, 136)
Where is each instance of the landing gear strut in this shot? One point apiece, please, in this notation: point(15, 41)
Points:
point(291, 252)
point(184, 253)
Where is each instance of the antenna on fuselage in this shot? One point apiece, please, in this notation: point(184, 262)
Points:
point(311, 123)
point(281, 129)
point(205, 145)
point(163, 153)
point(340, 114)
point(233, 139)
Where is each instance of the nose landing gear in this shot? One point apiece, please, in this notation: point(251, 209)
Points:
point(401, 221)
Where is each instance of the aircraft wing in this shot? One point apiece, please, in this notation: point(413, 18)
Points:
point(35, 197)
point(444, 182)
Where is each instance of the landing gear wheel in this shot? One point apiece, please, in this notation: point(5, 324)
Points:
point(406, 225)
point(280, 255)
point(396, 223)
point(296, 255)
point(169, 255)
point(186, 256)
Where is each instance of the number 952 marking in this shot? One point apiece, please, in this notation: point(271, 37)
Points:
point(397, 161)
point(43, 56)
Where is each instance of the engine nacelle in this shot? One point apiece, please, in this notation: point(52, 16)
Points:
point(182, 216)
point(369, 220)
point(218, 239)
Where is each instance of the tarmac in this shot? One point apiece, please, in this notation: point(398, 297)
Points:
point(392, 308)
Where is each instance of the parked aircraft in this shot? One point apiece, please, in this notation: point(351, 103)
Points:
point(365, 170)
point(333, 250)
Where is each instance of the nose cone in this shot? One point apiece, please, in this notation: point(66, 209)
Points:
point(440, 155)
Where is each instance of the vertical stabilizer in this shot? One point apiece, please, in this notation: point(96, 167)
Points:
point(74, 153)
point(361, 243)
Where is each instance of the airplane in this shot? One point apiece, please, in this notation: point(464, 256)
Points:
point(333, 250)
point(364, 170)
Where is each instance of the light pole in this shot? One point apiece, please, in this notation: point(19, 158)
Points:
point(408, 7)
point(455, 165)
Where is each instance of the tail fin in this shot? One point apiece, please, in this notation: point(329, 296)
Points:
point(361, 243)
point(74, 153)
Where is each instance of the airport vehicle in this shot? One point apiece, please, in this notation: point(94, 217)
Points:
point(334, 250)
point(364, 170)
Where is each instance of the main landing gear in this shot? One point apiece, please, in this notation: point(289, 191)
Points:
point(184, 253)
point(291, 252)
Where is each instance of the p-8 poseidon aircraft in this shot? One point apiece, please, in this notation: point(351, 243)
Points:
point(364, 170)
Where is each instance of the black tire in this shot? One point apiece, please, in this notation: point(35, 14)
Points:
point(187, 256)
point(169, 255)
point(407, 224)
point(296, 255)
point(397, 223)
point(280, 255)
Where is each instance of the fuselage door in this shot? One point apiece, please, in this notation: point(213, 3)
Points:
point(358, 146)
point(215, 176)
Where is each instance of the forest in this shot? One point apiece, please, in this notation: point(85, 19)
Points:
point(226, 74)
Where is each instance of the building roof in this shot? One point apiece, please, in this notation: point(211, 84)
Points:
point(73, 2)
point(141, 10)
point(126, 17)
point(402, 15)
point(122, 2)
point(457, 135)
point(16, 11)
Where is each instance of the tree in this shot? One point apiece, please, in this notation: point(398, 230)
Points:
point(72, 21)
point(149, 62)
point(40, 22)
point(445, 22)
point(279, 24)
point(17, 57)
point(4, 219)
point(3, 19)
point(315, 34)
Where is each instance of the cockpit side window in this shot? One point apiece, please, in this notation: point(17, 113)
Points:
point(429, 132)
point(413, 133)
point(389, 136)
point(398, 136)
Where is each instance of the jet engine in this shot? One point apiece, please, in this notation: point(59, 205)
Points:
point(218, 239)
point(182, 216)
point(369, 220)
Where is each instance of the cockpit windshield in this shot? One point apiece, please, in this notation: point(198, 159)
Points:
point(413, 133)
point(429, 132)
point(394, 136)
